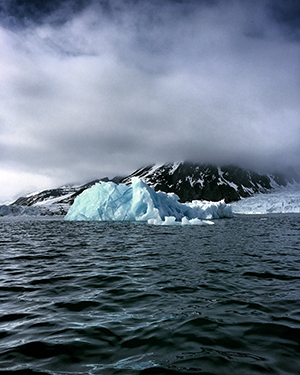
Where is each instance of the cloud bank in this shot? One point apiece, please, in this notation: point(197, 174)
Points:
point(104, 89)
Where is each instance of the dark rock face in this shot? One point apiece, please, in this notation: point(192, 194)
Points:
point(192, 181)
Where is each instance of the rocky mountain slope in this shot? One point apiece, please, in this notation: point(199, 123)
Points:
point(190, 181)
point(48, 202)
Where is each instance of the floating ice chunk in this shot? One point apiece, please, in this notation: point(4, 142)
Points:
point(107, 201)
point(210, 210)
point(170, 220)
point(196, 221)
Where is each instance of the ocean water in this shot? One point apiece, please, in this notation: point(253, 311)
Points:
point(129, 298)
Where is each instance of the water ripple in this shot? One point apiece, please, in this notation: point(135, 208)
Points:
point(126, 298)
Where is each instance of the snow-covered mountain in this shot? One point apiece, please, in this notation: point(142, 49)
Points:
point(47, 202)
point(190, 181)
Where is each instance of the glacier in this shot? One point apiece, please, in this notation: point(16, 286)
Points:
point(107, 201)
point(281, 200)
point(36, 211)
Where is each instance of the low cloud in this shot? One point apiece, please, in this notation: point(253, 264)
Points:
point(105, 90)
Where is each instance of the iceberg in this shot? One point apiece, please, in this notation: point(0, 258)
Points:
point(107, 201)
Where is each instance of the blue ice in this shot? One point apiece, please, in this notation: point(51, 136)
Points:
point(107, 201)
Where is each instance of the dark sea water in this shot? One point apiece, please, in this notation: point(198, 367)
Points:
point(128, 298)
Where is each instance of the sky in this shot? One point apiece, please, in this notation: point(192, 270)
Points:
point(99, 88)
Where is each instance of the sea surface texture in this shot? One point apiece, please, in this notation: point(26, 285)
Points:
point(129, 298)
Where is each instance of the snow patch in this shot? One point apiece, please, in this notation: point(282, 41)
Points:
point(174, 167)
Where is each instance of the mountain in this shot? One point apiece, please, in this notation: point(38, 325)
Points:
point(190, 181)
point(193, 181)
point(48, 202)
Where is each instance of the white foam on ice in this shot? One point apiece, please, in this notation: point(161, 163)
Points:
point(107, 201)
point(281, 200)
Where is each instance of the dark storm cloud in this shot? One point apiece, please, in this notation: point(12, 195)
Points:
point(100, 88)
